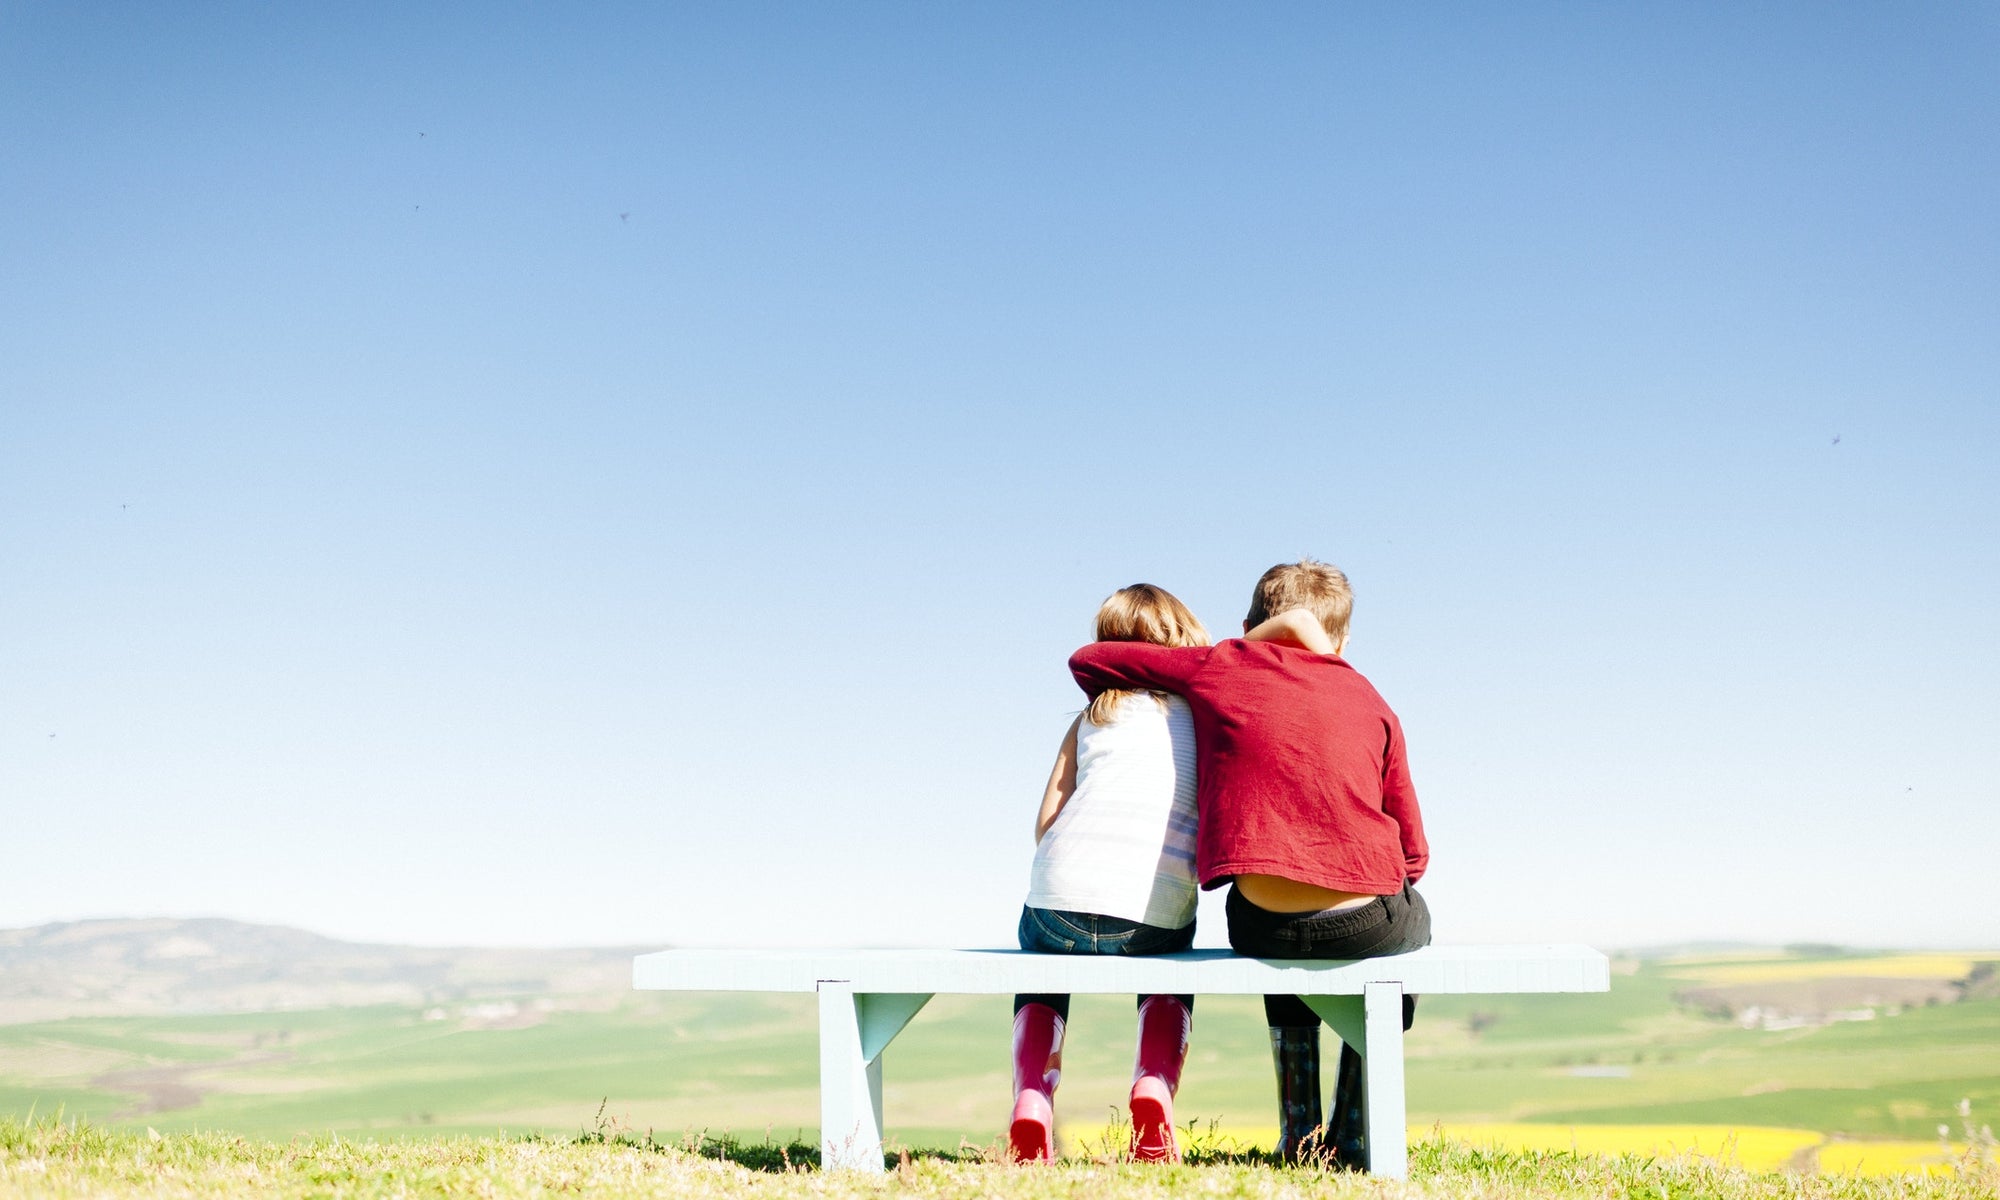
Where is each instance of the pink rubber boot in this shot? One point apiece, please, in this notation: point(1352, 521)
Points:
point(1038, 1035)
point(1164, 1023)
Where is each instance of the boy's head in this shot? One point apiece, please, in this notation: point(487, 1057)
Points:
point(1317, 587)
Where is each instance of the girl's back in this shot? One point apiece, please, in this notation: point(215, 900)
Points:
point(1123, 845)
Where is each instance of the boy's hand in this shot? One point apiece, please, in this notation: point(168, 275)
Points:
point(1296, 627)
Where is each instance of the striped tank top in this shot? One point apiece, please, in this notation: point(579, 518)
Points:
point(1124, 844)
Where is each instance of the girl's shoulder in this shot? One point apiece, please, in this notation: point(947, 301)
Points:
point(1145, 707)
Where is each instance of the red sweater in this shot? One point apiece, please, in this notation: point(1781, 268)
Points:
point(1301, 765)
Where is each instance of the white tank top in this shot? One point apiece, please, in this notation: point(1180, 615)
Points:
point(1124, 844)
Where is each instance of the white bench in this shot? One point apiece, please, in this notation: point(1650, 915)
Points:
point(866, 997)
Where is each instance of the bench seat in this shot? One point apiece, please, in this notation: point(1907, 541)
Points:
point(866, 997)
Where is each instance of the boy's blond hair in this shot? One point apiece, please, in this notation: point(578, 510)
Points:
point(1141, 613)
point(1319, 588)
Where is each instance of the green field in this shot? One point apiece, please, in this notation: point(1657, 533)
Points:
point(747, 1064)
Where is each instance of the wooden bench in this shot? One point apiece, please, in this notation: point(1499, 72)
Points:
point(866, 997)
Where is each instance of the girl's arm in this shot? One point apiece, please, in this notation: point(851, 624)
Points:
point(1062, 782)
point(1297, 626)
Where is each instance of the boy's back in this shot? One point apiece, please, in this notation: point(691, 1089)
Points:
point(1301, 766)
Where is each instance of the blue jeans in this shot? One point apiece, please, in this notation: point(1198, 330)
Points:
point(1057, 931)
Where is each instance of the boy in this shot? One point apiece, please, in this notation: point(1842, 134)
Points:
point(1307, 809)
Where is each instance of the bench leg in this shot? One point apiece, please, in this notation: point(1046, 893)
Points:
point(1372, 1023)
point(854, 1029)
point(1382, 1070)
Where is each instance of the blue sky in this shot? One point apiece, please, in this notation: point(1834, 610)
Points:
point(500, 474)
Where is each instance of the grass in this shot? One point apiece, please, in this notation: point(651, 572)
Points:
point(56, 1160)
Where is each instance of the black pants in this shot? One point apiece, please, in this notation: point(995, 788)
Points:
point(1386, 925)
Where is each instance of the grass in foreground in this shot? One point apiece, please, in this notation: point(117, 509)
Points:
point(51, 1159)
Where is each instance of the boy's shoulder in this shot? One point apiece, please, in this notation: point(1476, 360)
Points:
point(1278, 654)
point(1280, 668)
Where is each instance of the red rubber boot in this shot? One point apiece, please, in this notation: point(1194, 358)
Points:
point(1164, 1023)
point(1038, 1035)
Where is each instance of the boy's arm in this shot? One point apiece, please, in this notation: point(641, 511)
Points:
point(1062, 782)
point(1399, 801)
point(1136, 665)
point(1294, 625)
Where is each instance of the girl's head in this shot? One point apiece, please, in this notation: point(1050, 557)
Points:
point(1142, 613)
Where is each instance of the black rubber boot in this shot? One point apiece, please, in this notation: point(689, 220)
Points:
point(1295, 1053)
point(1350, 1112)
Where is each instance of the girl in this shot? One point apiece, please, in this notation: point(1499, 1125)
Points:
point(1114, 873)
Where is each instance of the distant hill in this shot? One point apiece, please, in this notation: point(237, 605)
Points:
point(209, 965)
point(1714, 948)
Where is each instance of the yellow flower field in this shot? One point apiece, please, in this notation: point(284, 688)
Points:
point(1888, 1158)
point(1954, 965)
point(1758, 1148)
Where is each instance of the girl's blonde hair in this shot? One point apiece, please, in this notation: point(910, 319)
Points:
point(1141, 613)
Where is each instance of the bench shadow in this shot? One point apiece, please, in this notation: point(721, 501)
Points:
point(770, 1155)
